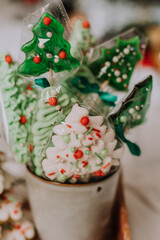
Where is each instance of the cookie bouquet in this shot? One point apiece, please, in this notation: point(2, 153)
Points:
point(74, 167)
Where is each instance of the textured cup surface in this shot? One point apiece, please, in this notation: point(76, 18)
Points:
point(68, 212)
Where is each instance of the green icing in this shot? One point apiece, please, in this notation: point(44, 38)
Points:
point(46, 117)
point(53, 45)
point(116, 64)
point(133, 110)
point(81, 39)
point(19, 100)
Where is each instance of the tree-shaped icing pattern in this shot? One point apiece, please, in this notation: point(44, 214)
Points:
point(82, 148)
point(81, 38)
point(134, 108)
point(48, 49)
point(19, 102)
point(116, 64)
point(52, 107)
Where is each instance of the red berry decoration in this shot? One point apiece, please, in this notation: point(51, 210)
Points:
point(84, 121)
point(52, 101)
point(37, 59)
point(29, 87)
point(8, 59)
point(47, 21)
point(78, 154)
point(62, 55)
point(23, 120)
point(86, 24)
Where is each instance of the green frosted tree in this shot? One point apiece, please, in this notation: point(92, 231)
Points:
point(116, 64)
point(48, 50)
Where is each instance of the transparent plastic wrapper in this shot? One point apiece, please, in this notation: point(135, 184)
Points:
point(45, 43)
point(113, 62)
point(17, 102)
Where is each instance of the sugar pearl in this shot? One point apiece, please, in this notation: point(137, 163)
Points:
point(131, 110)
point(124, 76)
point(115, 59)
point(126, 51)
point(117, 73)
point(118, 79)
point(137, 107)
point(139, 117)
point(49, 55)
point(49, 34)
point(107, 64)
point(56, 60)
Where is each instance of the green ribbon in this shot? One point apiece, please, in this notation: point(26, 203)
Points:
point(134, 148)
point(82, 84)
point(42, 82)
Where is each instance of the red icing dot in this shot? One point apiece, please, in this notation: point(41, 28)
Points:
point(99, 173)
point(68, 125)
point(78, 154)
point(15, 211)
point(63, 171)
point(67, 155)
point(84, 121)
point(86, 24)
point(29, 87)
point(89, 148)
point(18, 204)
point(37, 59)
point(90, 138)
point(108, 52)
point(52, 101)
point(8, 59)
point(47, 20)
point(62, 55)
point(18, 226)
point(77, 176)
point(23, 120)
point(58, 156)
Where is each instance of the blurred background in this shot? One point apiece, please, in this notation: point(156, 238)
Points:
point(109, 18)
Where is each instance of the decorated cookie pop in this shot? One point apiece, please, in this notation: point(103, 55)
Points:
point(19, 230)
point(81, 38)
point(19, 100)
point(10, 207)
point(116, 64)
point(52, 107)
point(48, 50)
point(132, 111)
point(82, 148)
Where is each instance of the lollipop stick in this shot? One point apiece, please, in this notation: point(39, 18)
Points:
point(51, 77)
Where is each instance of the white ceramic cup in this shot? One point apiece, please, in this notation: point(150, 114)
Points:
point(71, 211)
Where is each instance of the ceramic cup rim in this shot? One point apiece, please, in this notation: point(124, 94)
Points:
point(45, 181)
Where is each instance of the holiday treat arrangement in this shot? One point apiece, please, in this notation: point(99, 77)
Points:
point(63, 119)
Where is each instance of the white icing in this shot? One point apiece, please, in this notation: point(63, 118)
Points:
point(21, 230)
point(94, 143)
point(10, 208)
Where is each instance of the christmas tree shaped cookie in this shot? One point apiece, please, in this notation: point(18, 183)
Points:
point(47, 50)
point(116, 64)
point(19, 100)
point(81, 38)
point(82, 148)
point(52, 107)
point(133, 109)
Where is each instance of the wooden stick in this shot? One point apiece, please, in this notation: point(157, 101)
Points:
point(51, 77)
point(104, 85)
